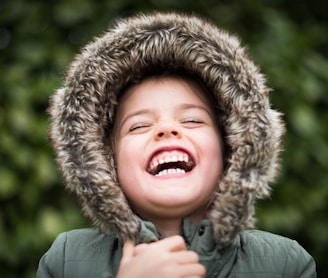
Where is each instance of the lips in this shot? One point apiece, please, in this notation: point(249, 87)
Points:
point(170, 162)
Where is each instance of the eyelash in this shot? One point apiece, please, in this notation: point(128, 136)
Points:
point(193, 121)
point(138, 126)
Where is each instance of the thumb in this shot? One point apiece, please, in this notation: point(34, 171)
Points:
point(128, 251)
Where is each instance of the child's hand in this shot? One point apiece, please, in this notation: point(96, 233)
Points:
point(165, 258)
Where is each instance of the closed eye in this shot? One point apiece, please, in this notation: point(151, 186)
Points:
point(192, 122)
point(138, 127)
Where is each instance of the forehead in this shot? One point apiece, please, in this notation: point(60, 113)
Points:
point(168, 87)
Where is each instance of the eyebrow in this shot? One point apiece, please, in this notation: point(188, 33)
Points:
point(136, 113)
point(187, 106)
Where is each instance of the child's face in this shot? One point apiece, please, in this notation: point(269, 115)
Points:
point(168, 148)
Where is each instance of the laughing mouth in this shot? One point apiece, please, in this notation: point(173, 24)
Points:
point(170, 162)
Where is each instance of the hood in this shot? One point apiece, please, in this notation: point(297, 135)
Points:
point(82, 113)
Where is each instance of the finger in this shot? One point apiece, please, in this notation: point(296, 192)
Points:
point(185, 257)
point(170, 244)
point(173, 243)
point(128, 250)
point(140, 248)
point(192, 270)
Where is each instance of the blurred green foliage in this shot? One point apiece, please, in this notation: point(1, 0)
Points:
point(39, 38)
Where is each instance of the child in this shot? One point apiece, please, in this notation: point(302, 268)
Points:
point(164, 131)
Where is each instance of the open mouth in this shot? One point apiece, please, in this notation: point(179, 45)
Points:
point(170, 162)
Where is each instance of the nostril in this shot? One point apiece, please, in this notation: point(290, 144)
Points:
point(167, 130)
point(175, 133)
point(162, 134)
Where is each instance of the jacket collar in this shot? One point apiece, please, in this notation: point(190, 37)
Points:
point(198, 237)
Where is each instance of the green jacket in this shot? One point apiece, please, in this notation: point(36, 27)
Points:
point(88, 253)
point(82, 115)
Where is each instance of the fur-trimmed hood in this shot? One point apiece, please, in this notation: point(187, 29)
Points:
point(82, 114)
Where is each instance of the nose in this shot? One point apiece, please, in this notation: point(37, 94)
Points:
point(167, 130)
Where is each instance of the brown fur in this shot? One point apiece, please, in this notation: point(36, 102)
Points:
point(82, 114)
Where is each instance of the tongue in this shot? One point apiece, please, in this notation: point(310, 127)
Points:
point(171, 167)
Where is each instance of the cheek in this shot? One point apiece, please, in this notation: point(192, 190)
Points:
point(128, 161)
point(213, 149)
point(127, 171)
point(124, 174)
point(121, 161)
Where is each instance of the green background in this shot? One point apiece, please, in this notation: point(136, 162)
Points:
point(288, 39)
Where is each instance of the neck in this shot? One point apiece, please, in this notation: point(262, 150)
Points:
point(172, 226)
point(168, 227)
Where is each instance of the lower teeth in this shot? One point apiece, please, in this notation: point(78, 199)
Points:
point(170, 171)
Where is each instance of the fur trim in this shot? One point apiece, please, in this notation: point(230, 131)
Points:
point(83, 110)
